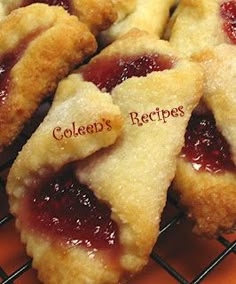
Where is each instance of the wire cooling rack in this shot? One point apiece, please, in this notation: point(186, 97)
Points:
point(228, 247)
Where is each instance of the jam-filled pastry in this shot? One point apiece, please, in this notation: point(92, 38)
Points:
point(206, 172)
point(150, 16)
point(132, 176)
point(81, 121)
point(98, 15)
point(35, 53)
point(79, 219)
point(203, 23)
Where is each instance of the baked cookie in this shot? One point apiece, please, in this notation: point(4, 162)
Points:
point(81, 121)
point(98, 15)
point(204, 23)
point(134, 173)
point(35, 53)
point(206, 172)
point(80, 220)
point(150, 16)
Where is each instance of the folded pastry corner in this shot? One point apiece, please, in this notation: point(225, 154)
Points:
point(150, 16)
point(196, 25)
point(35, 53)
point(206, 172)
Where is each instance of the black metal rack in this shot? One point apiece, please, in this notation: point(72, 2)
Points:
point(228, 247)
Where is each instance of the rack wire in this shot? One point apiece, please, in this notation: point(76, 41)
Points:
point(229, 247)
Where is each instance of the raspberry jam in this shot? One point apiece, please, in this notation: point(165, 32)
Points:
point(69, 212)
point(228, 13)
point(205, 147)
point(64, 3)
point(106, 73)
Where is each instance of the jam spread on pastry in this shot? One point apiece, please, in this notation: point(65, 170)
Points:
point(205, 147)
point(121, 190)
point(151, 17)
point(106, 73)
point(7, 62)
point(33, 63)
point(98, 15)
point(228, 12)
point(206, 177)
point(69, 212)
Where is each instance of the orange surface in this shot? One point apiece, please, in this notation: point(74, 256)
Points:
point(188, 254)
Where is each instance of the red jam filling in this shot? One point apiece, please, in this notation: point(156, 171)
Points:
point(7, 62)
point(205, 147)
point(64, 3)
point(68, 211)
point(106, 73)
point(228, 13)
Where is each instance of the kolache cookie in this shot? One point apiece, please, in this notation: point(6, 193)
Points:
point(81, 121)
point(98, 15)
point(150, 16)
point(35, 53)
point(78, 218)
point(206, 172)
point(199, 24)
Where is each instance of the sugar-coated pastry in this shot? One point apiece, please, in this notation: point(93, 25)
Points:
point(203, 23)
point(150, 16)
point(219, 64)
point(98, 15)
point(81, 121)
point(79, 219)
point(133, 175)
point(206, 172)
point(35, 53)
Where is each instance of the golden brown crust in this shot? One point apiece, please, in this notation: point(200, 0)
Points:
point(133, 175)
point(98, 15)
point(196, 25)
point(150, 16)
point(219, 66)
point(210, 199)
point(60, 43)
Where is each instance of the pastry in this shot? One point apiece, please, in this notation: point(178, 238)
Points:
point(80, 220)
point(81, 121)
point(206, 172)
point(35, 53)
point(96, 14)
point(150, 16)
point(203, 23)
